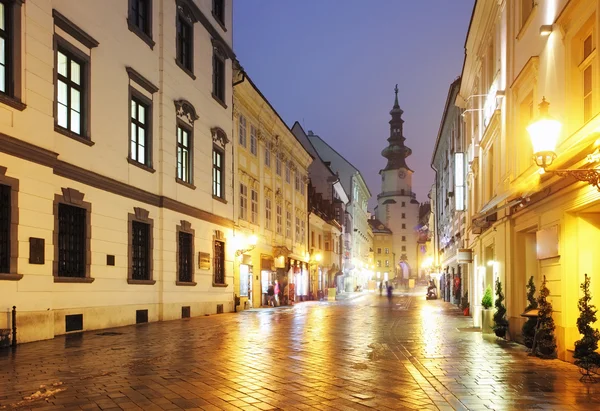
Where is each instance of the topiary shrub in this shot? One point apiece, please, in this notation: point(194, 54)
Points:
point(500, 321)
point(586, 357)
point(487, 299)
point(528, 330)
point(545, 342)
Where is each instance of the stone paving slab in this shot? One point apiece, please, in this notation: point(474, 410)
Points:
point(347, 355)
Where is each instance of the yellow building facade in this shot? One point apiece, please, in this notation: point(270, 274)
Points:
point(270, 186)
point(383, 258)
point(523, 223)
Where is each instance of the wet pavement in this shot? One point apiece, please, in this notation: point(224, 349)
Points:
point(351, 355)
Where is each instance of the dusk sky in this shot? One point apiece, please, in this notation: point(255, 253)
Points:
point(332, 65)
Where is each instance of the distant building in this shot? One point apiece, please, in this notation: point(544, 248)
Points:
point(384, 258)
point(397, 205)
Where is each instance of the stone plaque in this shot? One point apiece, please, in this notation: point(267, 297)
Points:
point(36, 250)
point(204, 261)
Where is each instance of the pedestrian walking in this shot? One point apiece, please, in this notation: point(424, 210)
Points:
point(276, 291)
point(270, 295)
point(381, 288)
point(390, 291)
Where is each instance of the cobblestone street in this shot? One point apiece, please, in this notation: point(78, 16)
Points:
point(357, 354)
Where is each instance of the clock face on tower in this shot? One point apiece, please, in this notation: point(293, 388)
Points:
point(401, 173)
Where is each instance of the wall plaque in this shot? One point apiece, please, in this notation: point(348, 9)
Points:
point(36, 250)
point(204, 261)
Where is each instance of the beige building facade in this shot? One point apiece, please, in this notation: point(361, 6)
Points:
point(108, 212)
point(271, 201)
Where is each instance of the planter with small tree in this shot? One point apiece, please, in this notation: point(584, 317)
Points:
point(586, 357)
point(528, 329)
point(544, 342)
point(487, 313)
point(500, 321)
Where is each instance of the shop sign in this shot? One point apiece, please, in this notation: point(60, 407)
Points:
point(465, 255)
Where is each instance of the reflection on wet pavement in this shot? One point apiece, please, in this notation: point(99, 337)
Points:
point(359, 354)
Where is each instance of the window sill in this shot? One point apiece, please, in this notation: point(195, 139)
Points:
point(186, 70)
point(10, 277)
point(12, 102)
point(188, 185)
point(219, 199)
point(218, 100)
point(144, 36)
point(219, 22)
point(141, 282)
point(220, 285)
point(73, 279)
point(185, 283)
point(72, 135)
point(140, 165)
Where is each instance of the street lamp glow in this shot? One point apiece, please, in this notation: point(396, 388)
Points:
point(318, 257)
point(491, 263)
point(544, 133)
point(253, 240)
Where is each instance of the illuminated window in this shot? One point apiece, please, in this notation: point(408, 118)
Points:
point(387, 250)
point(243, 202)
point(459, 181)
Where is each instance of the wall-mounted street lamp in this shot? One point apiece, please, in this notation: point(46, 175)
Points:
point(545, 30)
point(249, 245)
point(544, 133)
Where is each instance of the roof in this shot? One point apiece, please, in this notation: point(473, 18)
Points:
point(378, 227)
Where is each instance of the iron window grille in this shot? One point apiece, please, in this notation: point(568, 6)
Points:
point(139, 15)
point(71, 241)
point(184, 160)
point(219, 11)
point(217, 177)
point(186, 255)
point(5, 219)
point(219, 262)
point(70, 93)
point(140, 251)
point(184, 42)
point(140, 132)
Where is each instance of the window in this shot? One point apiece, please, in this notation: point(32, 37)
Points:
point(71, 241)
point(139, 149)
point(219, 11)
point(140, 19)
point(5, 228)
point(278, 165)
point(185, 258)
point(185, 34)
point(379, 251)
point(403, 248)
point(242, 131)
point(219, 262)
point(320, 242)
point(302, 187)
point(288, 171)
point(387, 250)
point(288, 224)
point(243, 202)
point(218, 75)
point(403, 238)
point(279, 217)
point(268, 154)
point(184, 154)
point(387, 263)
point(254, 204)
point(217, 177)
point(253, 145)
point(312, 238)
point(302, 231)
point(268, 215)
point(140, 247)
point(526, 9)
point(297, 181)
point(71, 89)
point(587, 69)
point(10, 53)
point(378, 263)
point(403, 215)
point(298, 229)
point(404, 226)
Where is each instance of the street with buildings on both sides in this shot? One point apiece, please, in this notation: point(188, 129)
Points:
point(357, 354)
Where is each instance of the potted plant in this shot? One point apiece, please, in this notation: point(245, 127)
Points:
point(544, 344)
point(528, 329)
point(586, 357)
point(500, 321)
point(487, 314)
point(465, 303)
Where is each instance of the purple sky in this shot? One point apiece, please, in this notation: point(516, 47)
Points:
point(332, 65)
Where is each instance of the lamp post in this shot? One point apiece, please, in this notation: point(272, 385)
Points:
point(544, 133)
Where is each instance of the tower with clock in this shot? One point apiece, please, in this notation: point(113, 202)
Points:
point(397, 205)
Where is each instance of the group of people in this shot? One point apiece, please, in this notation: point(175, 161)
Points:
point(273, 294)
point(389, 289)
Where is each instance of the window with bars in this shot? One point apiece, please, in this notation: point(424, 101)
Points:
point(254, 205)
point(219, 76)
point(140, 251)
point(71, 90)
point(243, 202)
point(186, 258)
point(140, 16)
point(72, 226)
point(184, 154)
point(217, 177)
point(185, 34)
point(268, 154)
point(288, 224)
point(268, 215)
point(219, 11)
point(253, 141)
point(242, 131)
point(219, 262)
point(279, 218)
point(5, 220)
point(139, 149)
